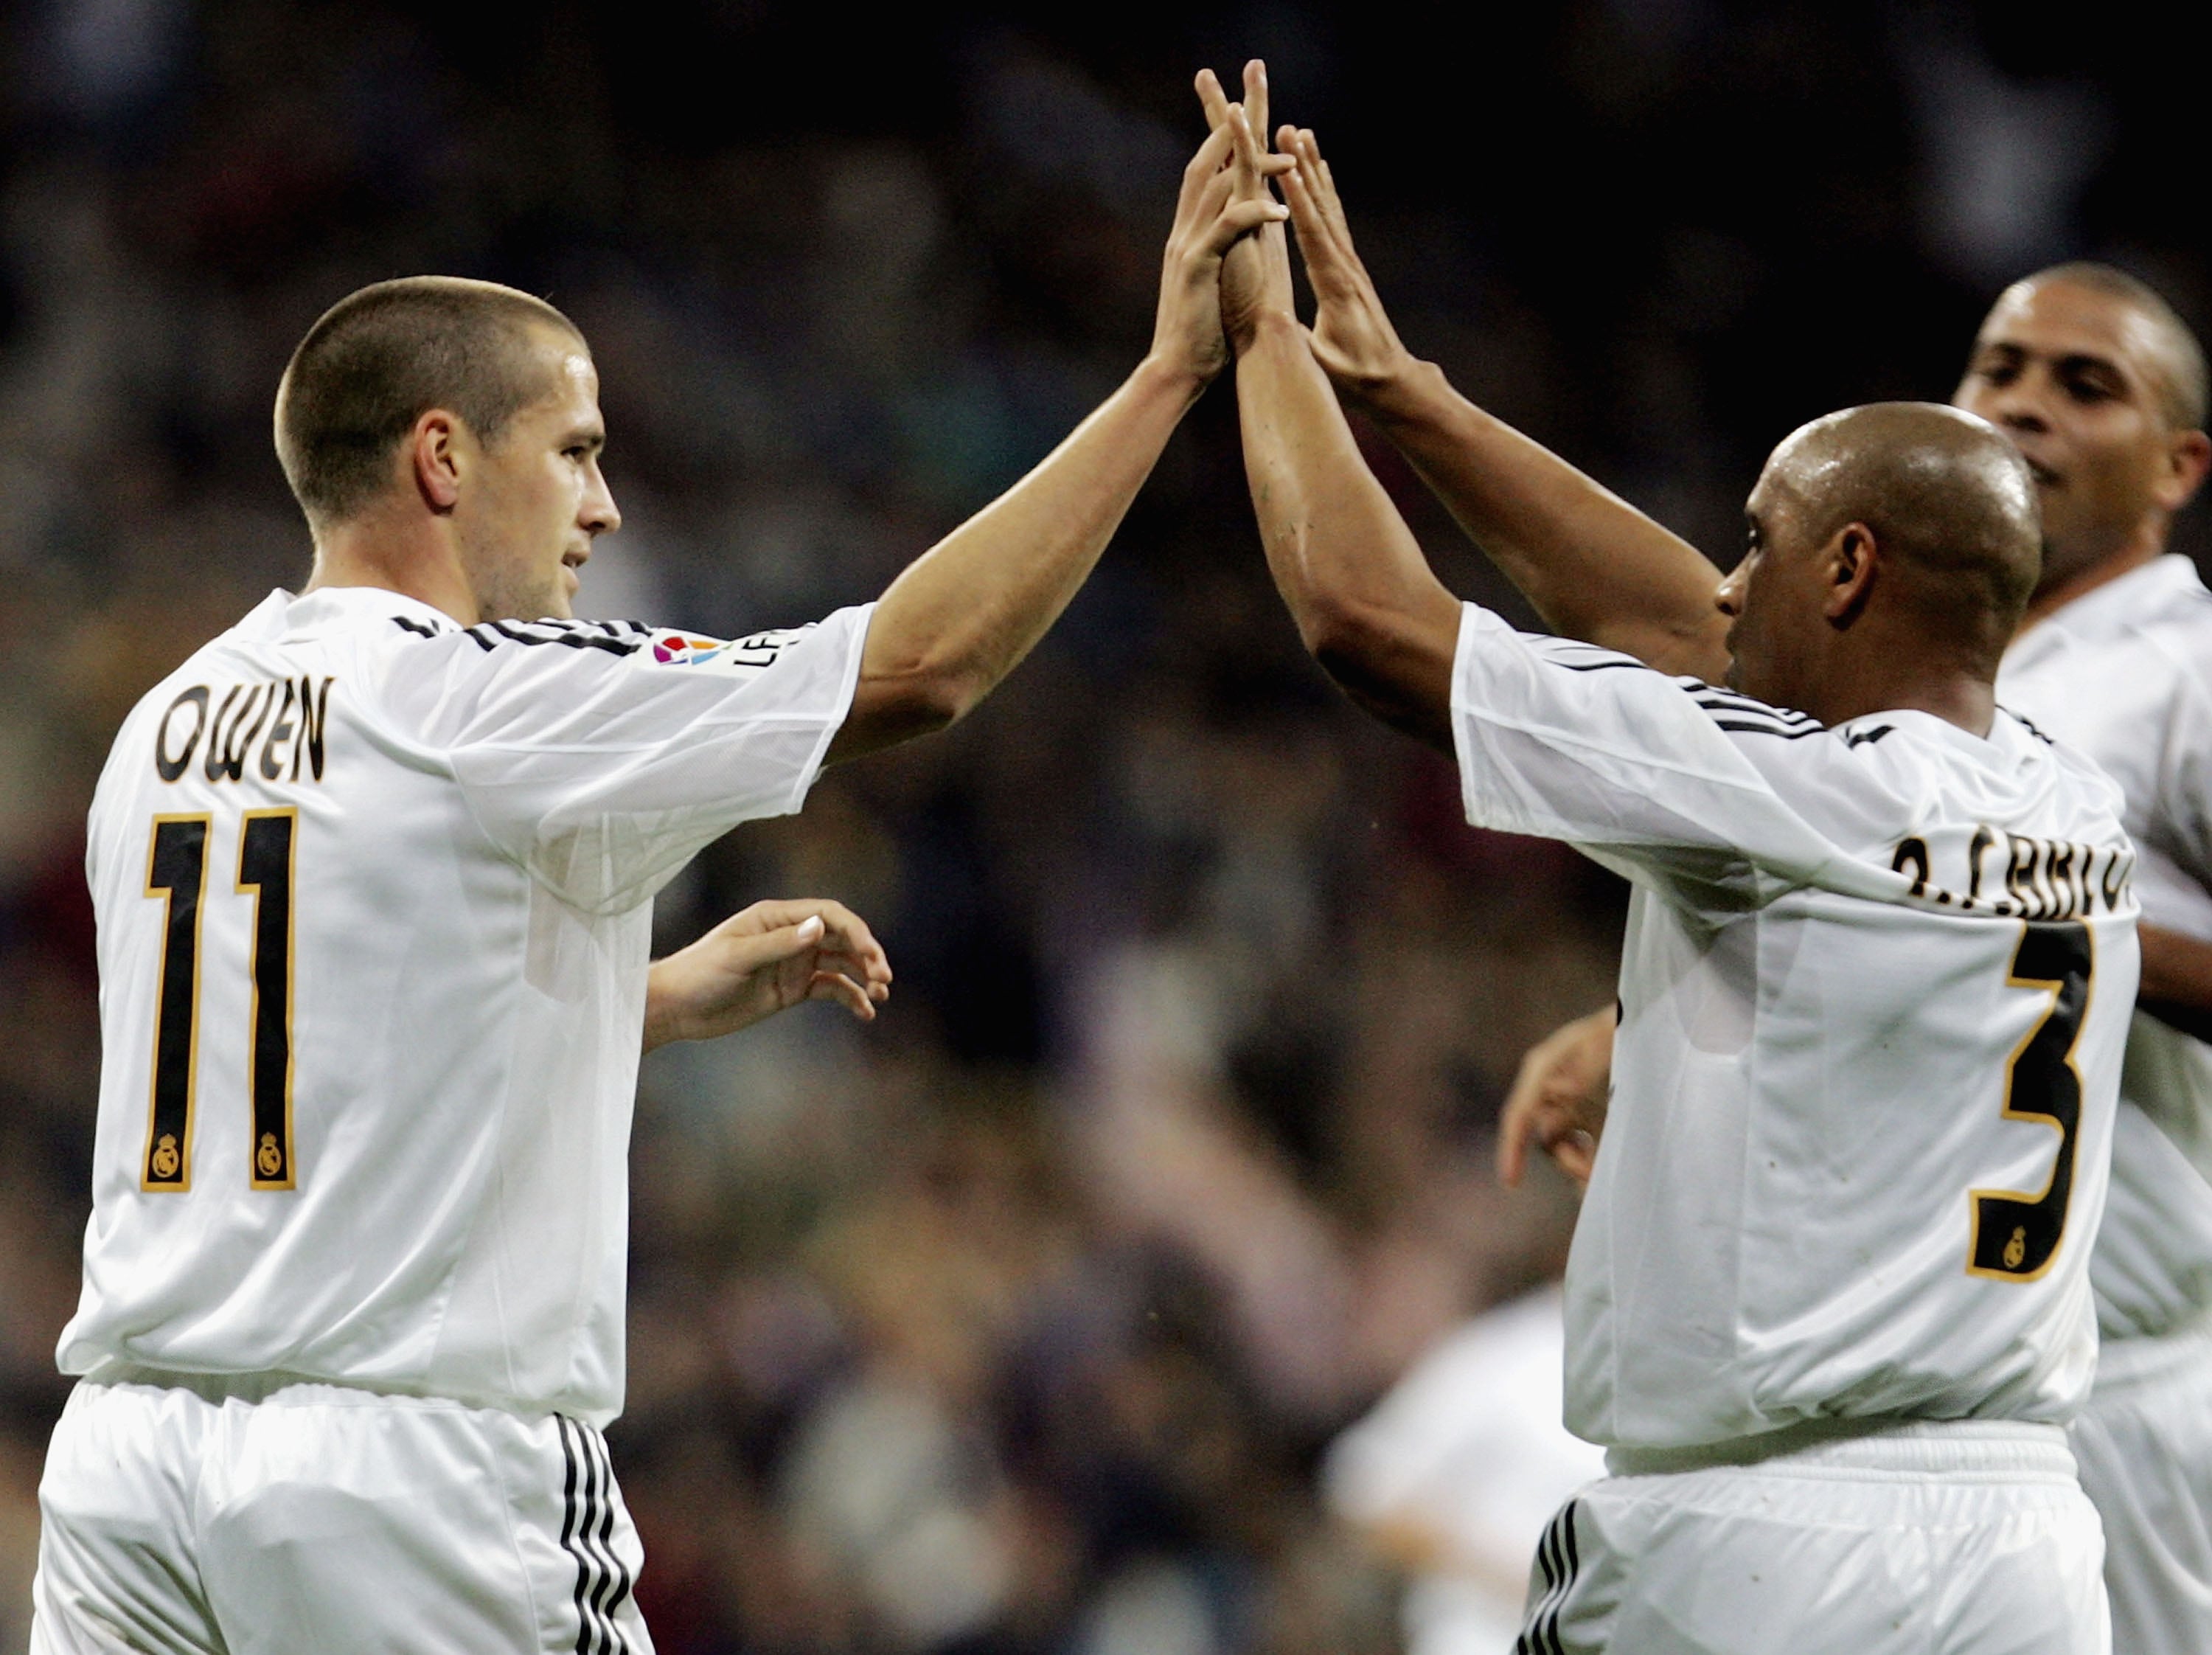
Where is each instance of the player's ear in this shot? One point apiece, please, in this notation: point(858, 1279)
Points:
point(2189, 456)
point(435, 460)
point(1848, 564)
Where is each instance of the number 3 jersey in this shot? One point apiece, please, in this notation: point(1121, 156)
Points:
point(1874, 995)
point(374, 897)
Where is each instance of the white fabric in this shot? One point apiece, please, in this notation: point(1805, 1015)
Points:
point(472, 876)
point(2144, 1443)
point(1954, 1538)
point(1468, 1451)
point(2125, 675)
point(180, 1520)
point(1816, 1049)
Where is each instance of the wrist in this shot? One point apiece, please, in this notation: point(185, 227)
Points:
point(663, 1026)
point(1272, 323)
point(1166, 375)
point(1407, 392)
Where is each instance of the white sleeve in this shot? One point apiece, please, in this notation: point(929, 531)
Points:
point(603, 755)
point(2181, 827)
point(1567, 741)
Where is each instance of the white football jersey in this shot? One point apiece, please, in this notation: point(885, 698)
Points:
point(2125, 675)
point(374, 897)
point(1874, 991)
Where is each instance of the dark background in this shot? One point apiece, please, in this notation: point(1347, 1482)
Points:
point(1018, 1321)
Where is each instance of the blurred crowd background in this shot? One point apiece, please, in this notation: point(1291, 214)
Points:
point(1021, 1320)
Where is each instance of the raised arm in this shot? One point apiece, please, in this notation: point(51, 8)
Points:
point(1594, 566)
point(963, 615)
point(1366, 603)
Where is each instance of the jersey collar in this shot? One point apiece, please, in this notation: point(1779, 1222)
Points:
point(2110, 610)
point(356, 605)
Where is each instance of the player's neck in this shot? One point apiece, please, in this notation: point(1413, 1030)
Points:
point(2146, 543)
point(416, 559)
point(1904, 671)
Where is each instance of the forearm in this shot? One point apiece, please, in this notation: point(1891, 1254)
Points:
point(964, 615)
point(2176, 979)
point(1592, 565)
point(1365, 601)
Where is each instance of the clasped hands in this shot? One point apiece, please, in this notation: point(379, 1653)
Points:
point(1352, 335)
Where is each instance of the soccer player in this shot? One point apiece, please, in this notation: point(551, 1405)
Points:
point(373, 873)
point(2102, 387)
point(1828, 1302)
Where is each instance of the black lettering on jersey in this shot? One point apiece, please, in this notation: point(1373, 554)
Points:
point(1982, 840)
point(313, 715)
point(2059, 866)
point(272, 761)
point(416, 627)
point(164, 766)
point(227, 748)
point(2016, 1235)
point(2116, 874)
point(1867, 738)
point(1913, 853)
point(2021, 858)
point(213, 767)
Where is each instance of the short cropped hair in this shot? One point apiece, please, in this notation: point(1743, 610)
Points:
point(381, 358)
point(2182, 392)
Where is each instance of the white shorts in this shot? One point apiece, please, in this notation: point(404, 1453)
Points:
point(274, 1517)
point(1966, 1538)
point(2145, 1447)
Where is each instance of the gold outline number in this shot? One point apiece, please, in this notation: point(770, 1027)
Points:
point(266, 869)
point(2016, 1236)
point(176, 871)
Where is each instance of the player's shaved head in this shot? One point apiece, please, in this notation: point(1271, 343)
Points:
point(1893, 548)
point(1943, 493)
point(382, 357)
point(2168, 349)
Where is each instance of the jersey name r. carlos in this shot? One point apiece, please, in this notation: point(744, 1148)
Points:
point(2125, 675)
point(1873, 994)
point(375, 896)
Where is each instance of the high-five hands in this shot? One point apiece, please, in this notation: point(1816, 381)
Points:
point(1220, 204)
point(763, 960)
point(1255, 276)
point(1353, 338)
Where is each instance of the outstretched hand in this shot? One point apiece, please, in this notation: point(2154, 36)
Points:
point(1353, 338)
point(1255, 273)
point(762, 960)
point(1219, 204)
point(1559, 1098)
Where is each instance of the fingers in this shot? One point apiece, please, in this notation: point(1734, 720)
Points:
point(1202, 168)
point(1515, 1123)
point(1212, 98)
point(836, 986)
point(1239, 219)
point(1255, 96)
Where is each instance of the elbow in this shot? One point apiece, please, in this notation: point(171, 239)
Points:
point(923, 698)
point(1347, 637)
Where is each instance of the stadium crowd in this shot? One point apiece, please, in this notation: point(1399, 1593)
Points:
point(1021, 1320)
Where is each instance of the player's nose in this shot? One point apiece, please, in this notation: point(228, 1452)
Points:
point(599, 514)
point(1728, 596)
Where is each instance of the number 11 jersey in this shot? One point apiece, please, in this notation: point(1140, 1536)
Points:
point(375, 896)
point(1874, 995)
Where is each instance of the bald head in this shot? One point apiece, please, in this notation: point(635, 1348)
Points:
point(1946, 497)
